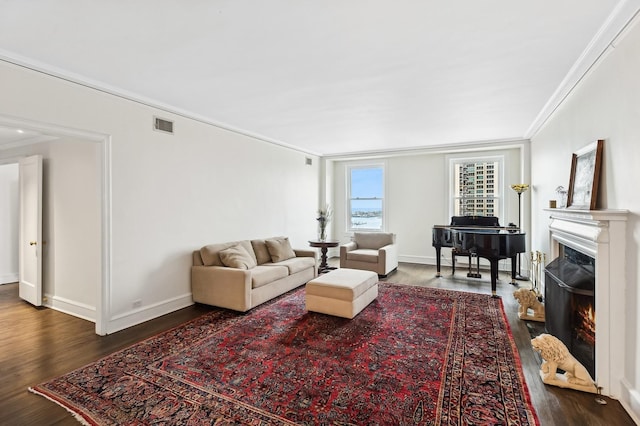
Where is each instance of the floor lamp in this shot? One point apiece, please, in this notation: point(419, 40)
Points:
point(520, 188)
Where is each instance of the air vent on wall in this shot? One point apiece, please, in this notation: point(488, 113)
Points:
point(162, 125)
point(308, 161)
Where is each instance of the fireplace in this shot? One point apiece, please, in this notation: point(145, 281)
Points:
point(570, 304)
point(595, 240)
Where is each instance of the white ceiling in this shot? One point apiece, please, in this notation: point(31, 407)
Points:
point(12, 137)
point(328, 77)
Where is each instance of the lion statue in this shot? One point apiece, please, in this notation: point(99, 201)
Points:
point(556, 355)
point(528, 299)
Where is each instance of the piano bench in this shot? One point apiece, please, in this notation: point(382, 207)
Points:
point(455, 252)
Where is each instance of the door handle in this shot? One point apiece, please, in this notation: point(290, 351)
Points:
point(33, 243)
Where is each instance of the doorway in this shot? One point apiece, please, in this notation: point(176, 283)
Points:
point(9, 223)
point(67, 241)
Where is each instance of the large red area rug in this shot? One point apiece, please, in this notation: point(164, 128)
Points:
point(413, 356)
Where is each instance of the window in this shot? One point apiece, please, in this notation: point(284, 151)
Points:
point(476, 186)
point(365, 197)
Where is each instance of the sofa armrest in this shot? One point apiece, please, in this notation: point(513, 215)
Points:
point(221, 286)
point(388, 255)
point(351, 245)
point(344, 248)
point(305, 253)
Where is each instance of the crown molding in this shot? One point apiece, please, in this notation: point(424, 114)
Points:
point(458, 147)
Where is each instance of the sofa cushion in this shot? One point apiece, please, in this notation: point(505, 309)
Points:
point(363, 255)
point(297, 264)
point(279, 249)
point(237, 257)
point(261, 251)
point(372, 240)
point(266, 274)
point(210, 255)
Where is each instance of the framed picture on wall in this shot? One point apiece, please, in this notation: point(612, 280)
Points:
point(585, 176)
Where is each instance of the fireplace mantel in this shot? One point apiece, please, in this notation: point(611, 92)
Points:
point(600, 234)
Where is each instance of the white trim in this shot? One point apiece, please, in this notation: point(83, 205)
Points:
point(605, 39)
point(71, 307)
point(146, 313)
point(103, 290)
point(630, 401)
point(421, 260)
point(503, 265)
point(468, 146)
point(9, 278)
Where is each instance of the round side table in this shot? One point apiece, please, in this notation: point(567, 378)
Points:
point(324, 246)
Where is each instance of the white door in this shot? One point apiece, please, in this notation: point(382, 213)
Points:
point(30, 251)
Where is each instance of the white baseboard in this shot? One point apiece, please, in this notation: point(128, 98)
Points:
point(9, 278)
point(146, 313)
point(423, 260)
point(631, 401)
point(461, 263)
point(71, 307)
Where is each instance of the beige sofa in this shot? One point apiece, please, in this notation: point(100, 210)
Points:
point(371, 251)
point(240, 275)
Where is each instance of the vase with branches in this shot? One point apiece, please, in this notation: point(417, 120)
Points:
point(324, 217)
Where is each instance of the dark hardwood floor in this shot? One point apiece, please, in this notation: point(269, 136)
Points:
point(39, 344)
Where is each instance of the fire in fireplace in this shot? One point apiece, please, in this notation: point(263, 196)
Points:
point(570, 304)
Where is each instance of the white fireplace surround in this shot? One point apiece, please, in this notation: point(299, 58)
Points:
point(600, 234)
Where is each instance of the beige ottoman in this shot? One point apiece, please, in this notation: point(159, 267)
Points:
point(342, 292)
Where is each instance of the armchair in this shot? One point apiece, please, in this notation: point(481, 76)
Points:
point(371, 251)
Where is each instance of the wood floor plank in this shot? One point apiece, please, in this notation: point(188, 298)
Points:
point(39, 344)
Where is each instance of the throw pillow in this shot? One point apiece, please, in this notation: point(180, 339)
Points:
point(280, 249)
point(261, 251)
point(237, 257)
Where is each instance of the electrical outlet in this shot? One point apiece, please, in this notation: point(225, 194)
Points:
point(137, 303)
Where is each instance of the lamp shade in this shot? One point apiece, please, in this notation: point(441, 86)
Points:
point(520, 187)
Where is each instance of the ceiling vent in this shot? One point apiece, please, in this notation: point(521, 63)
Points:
point(162, 125)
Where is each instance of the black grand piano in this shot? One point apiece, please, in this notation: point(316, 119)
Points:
point(483, 237)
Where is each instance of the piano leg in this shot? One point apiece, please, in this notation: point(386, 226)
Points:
point(453, 261)
point(438, 250)
point(513, 270)
point(494, 277)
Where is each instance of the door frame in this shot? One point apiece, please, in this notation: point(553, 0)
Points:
point(103, 290)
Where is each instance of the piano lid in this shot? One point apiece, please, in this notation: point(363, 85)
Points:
point(486, 230)
point(478, 229)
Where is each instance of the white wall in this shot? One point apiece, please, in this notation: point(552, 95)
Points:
point(8, 223)
point(416, 192)
point(605, 105)
point(169, 194)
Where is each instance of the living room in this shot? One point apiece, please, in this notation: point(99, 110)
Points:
point(156, 197)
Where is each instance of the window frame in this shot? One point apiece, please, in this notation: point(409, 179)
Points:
point(499, 190)
point(367, 165)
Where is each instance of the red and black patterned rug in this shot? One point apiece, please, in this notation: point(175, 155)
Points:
point(414, 356)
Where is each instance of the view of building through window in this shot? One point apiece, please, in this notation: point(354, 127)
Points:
point(366, 195)
point(476, 188)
